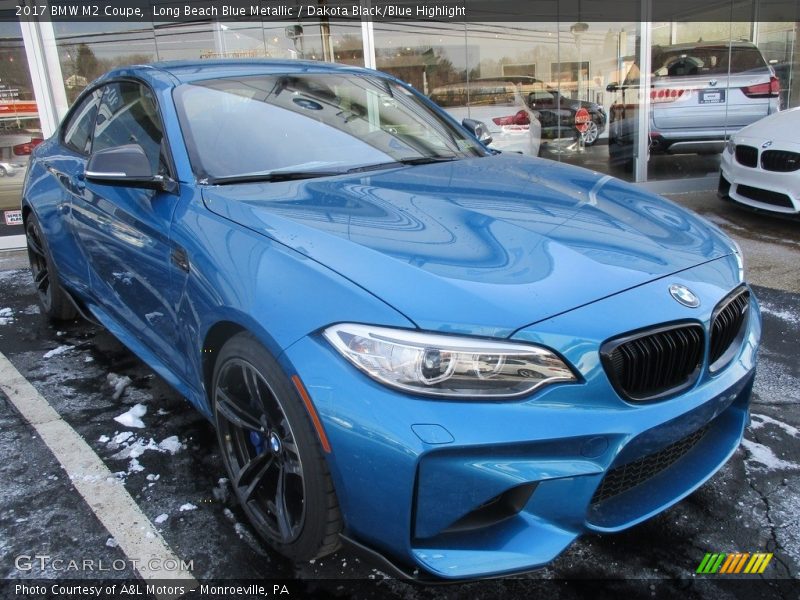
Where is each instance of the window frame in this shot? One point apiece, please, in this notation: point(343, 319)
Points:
point(72, 113)
point(101, 85)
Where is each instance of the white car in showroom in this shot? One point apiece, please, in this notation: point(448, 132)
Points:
point(760, 166)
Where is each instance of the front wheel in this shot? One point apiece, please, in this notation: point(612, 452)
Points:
point(272, 453)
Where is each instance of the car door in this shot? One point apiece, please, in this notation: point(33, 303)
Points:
point(75, 140)
point(125, 231)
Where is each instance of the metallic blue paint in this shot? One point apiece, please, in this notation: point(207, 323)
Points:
point(501, 246)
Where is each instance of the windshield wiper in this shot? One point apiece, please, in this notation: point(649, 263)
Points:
point(271, 177)
point(415, 160)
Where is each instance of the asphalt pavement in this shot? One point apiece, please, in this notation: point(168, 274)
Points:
point(171, 467)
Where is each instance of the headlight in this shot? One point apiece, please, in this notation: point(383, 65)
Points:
point(730, 146)
point(443, 365)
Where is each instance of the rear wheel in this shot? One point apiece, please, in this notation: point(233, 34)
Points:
point(3, 171)
point(54, 300)
point(591, 135)
point(272, 453)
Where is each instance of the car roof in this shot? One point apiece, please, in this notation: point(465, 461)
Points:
point(186, 71)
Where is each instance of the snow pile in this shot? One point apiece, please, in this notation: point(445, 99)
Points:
point(161, 518)
point(118, 383)
point(187, 506)
point(6, 316)
point(171, 444)
point(133, 417)
point(57, 351)
point(136, 448)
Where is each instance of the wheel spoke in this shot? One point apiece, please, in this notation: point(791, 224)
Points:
point(252, 474)
point(279, 509)
point(41, 280)
point(34, 246)
point(291, 457)
point(237, 414)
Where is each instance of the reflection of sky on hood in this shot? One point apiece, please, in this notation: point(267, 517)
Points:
point(505, 230)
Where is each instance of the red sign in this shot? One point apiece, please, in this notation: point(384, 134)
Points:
point(582, 120)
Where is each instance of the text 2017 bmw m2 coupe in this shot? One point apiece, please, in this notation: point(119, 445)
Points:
point(458, 358)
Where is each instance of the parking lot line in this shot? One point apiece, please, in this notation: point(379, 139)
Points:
point(106, 495)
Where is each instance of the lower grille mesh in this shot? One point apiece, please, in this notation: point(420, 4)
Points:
point(621, 479)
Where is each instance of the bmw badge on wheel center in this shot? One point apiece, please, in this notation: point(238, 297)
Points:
point(345, 280)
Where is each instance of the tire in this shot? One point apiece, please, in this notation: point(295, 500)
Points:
point(3, 172)
point(54, 300)
point(272, 453)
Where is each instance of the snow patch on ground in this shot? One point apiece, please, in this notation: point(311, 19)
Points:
point(104, 439)
point(57, 351)
point(775, 384)
point(792, 318)
point(132, 417)
point(136, 448)
point(33, 309)
point(118, 383)
point(171, 444)
point(6, 316)
point(760, 420)
point(785, 508)
point(187, 506)
point(112, 543)
point(161, 518)
point(764, 456)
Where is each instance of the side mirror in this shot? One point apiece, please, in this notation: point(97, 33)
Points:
point(479, 130)
point(126, 166)
point(612, 87)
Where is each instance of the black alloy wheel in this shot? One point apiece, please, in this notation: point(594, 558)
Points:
point(54, 300)
point(272, 454)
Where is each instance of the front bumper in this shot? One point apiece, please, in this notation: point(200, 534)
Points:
point(475, 489)
point(759, 189)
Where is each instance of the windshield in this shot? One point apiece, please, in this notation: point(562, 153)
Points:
point(310, 122)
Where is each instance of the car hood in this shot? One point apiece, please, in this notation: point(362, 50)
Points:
point(482, 246)
point(777, 127)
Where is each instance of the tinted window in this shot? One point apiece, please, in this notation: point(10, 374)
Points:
point(707, 60)
point(128, 115)
point(78, 130)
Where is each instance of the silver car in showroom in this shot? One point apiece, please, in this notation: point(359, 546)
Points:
point(700, 94)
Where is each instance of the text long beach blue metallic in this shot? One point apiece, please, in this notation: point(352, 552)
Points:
point(461, 359)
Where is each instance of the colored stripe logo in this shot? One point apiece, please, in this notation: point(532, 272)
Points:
point(738, 562)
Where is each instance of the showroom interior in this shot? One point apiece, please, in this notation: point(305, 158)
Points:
point(484, 70)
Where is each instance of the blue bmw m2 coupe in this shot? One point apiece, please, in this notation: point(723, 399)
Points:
point(457, 358)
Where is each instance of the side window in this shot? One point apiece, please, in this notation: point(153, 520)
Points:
point(78, 130)
point(128, 115)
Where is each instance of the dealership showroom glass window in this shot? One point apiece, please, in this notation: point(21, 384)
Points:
point(531, 83)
